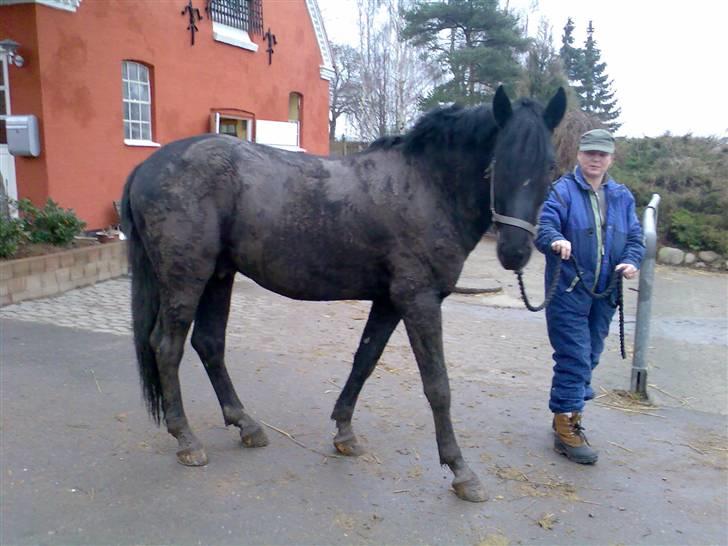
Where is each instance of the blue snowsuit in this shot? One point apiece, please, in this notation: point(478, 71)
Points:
point(578, 324)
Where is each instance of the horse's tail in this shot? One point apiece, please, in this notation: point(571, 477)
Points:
point(144, 306)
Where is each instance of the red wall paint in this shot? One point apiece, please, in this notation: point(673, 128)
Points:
point(72, 82)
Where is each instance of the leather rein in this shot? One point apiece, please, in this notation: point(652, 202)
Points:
point(615, 281)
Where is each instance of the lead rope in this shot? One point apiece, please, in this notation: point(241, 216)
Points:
point(615, 282)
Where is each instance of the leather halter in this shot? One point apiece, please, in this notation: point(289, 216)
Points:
point(501, 218)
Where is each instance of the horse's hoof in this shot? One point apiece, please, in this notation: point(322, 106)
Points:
point(469, 488)
point(256, 438)
point(346, 444)
point(192, 457)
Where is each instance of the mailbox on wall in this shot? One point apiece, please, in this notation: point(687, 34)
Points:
point(23, 136)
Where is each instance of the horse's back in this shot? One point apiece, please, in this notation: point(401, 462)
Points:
point(304, 226)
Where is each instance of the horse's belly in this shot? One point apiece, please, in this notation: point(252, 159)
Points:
point(315, 278)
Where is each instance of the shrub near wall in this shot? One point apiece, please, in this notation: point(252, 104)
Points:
point(52, 274)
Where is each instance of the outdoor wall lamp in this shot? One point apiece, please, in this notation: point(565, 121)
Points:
point(10, 48)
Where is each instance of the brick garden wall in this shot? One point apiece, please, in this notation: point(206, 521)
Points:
point(43, 276)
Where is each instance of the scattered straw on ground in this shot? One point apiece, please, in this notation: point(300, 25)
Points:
point(625, 401)
point(541, 485)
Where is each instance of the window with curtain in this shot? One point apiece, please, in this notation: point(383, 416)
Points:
point(137, 101)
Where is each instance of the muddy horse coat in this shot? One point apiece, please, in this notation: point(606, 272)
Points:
point(393, 225)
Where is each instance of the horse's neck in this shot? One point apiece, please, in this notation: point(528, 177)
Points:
point(470, 199)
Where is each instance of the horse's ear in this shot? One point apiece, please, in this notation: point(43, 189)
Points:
point(502, 110)
point(555, 109)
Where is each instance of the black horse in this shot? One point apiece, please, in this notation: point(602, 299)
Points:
point(393, 224)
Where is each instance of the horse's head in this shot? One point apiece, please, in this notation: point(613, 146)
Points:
point(522, 171)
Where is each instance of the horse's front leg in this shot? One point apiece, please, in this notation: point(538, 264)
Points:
point(423, 320)
point(382, 321)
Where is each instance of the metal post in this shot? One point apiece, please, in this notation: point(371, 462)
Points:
point(644, 300)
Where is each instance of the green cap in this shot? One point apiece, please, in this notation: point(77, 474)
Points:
point(599, 140)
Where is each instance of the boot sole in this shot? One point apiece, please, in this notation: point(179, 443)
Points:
point(563, 450)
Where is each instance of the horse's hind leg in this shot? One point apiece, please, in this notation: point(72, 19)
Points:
point(208, 339)
point(167, 340)
point(383, 319)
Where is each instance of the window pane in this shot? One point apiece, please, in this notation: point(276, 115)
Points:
point(126, 111)
point(124, 70)
point(145, 93)
point(135, 132)
point(145, 112)
point(294, 107)
point(146, 131)
point(133, 71)
point(127, 130)
point(143, 73)
point(135, 114)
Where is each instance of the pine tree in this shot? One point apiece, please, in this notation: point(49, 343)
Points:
point(595, 87)
point(476, 43)
point(570, 55)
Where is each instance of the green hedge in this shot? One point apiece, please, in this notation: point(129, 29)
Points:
point(691, 176)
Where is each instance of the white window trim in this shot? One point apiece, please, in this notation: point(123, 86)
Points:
point(142, 141)
point(233, 36)
point(148, 143)
point(248, 124)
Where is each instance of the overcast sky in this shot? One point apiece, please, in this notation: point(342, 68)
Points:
point(667, 59)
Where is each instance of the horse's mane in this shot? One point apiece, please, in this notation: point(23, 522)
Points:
point(467, 129)
point(447, 127)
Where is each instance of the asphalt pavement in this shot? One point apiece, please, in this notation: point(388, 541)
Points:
point(81, 463)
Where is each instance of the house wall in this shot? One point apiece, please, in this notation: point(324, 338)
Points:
point(72, 82)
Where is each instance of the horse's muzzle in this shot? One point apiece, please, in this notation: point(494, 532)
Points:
point(514, 247)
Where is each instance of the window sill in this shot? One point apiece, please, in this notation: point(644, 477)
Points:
point(233, 36)
point(286, 147)
point(147, 143)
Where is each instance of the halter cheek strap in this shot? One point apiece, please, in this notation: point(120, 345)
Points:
point(503, 219)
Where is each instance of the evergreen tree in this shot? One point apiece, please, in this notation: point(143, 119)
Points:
point(476, 43)
point(595, 87)
point(571, 56)
point(544, 72)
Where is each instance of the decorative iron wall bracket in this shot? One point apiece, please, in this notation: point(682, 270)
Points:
point(194, 15)
point(271, 38)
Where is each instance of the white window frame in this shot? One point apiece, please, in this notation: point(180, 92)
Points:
point(233, 36)
point(136, 104)
point(248, 124)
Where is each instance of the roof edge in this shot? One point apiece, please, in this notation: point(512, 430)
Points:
point(327, 68)
point(65, 5)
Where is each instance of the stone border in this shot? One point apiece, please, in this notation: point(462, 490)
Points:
point(706, 259)
point(52, 274)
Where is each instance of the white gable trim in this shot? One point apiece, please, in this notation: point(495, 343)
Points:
point(326, 69)
point(67, 5)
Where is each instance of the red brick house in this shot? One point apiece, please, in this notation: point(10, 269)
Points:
point(109, 81)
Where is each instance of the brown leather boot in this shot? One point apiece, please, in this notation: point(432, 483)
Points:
point(569, 439)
